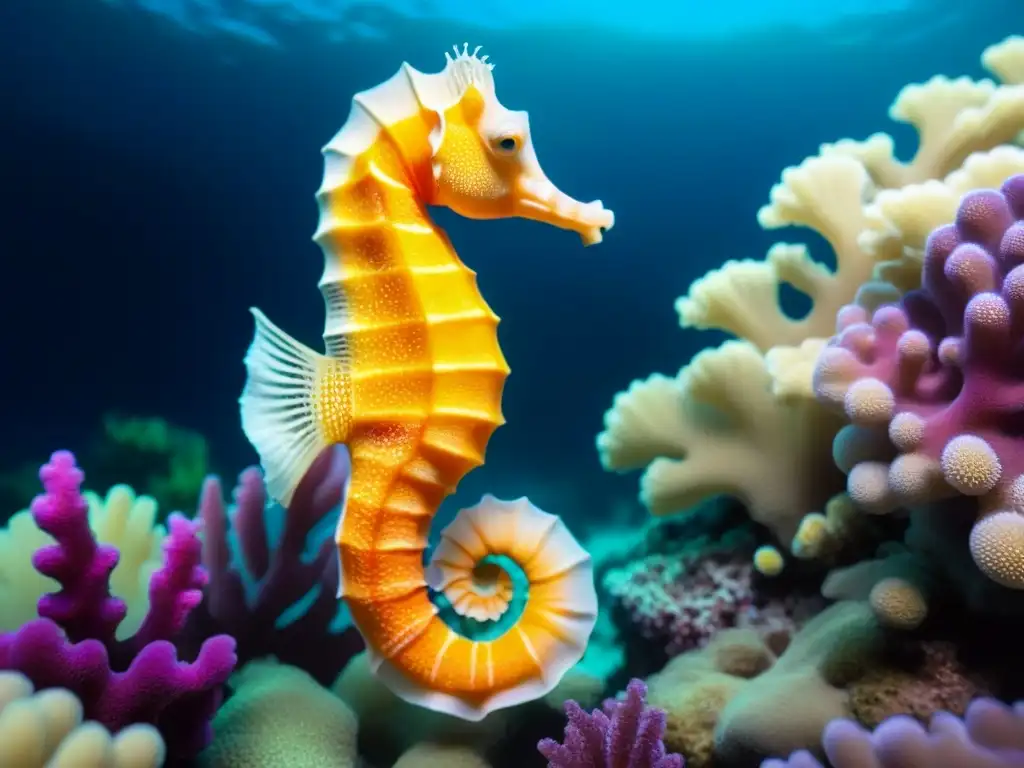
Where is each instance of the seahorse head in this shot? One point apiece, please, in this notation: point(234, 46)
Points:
point(484, 163)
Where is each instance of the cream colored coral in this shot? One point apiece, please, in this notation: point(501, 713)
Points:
point(792, 369)
point(898, 603)
point(45, 730)
point(717, 428)
point(898, 221)
point(1006, 60)
point(953, 117)
point(997, 546)
point(20, 584)
point(120, 519)
point(741, 297)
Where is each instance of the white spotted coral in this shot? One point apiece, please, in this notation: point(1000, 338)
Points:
point(932, 385)
point(875, 213)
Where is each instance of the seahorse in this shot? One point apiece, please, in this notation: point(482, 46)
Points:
point(411, 382)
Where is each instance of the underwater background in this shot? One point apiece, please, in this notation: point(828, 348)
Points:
point(165, 184)
point(162, 157)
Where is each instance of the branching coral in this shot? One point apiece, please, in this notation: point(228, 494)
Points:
point(627, 734)
point(122, 520)
point(252, 600)
point(938, 380)
point(717, 428)
point(873, 210)
point(991, 735)
point(741, 420)
point(73, 645)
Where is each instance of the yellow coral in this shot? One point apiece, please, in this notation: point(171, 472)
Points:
point(820, 535)
point(898, 603)
point(953, 118)
point(716, 428)
point(120, 519)
point(46, 729)
point(768, 561)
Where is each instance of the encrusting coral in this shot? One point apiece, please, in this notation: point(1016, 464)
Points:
point(73, 645)
point(279, 716)
point(742, 419)
point(45, 730)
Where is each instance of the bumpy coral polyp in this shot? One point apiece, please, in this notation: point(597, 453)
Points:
point(934, 386)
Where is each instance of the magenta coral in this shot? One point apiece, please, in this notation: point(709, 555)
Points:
point(72, 645)
point(627, 734)
point(282, 578)
point(991, 735)
point(933, 385)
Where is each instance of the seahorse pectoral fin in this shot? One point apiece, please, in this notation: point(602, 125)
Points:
point(284, 413)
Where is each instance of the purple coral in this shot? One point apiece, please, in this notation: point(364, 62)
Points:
point(283, 578)
point(72, 645)
point(627, 734)
point(991, 735)
point(933, 385)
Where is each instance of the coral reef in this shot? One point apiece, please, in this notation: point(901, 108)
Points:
point(276, 601)
point(742, 419)
point(626, 733)
point(72, 643)
point(991, 735)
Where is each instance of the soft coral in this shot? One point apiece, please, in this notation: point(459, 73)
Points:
point(627, 734)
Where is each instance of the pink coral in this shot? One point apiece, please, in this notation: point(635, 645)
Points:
point(72, 645)
point(933, 386)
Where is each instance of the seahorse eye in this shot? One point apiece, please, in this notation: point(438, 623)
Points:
point(507, 144)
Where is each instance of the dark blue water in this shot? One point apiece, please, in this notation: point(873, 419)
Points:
point(157, 184)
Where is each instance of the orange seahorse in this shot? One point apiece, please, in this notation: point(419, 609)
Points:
point(412, 381)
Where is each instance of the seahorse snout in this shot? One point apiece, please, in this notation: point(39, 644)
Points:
point(541, 200)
